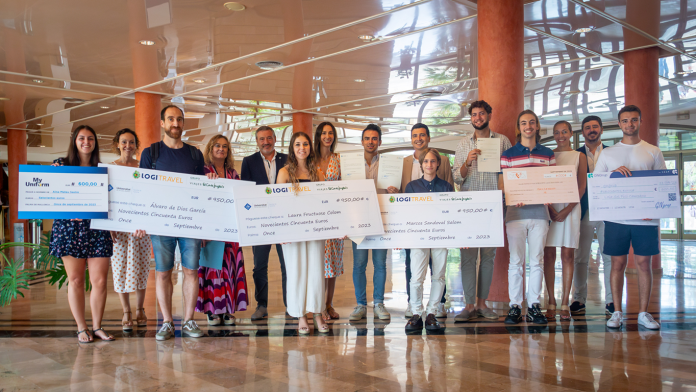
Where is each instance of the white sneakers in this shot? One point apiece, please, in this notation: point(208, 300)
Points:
point(644, 319)
point(616, 320)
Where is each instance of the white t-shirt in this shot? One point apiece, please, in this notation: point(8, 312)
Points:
point(641, 156)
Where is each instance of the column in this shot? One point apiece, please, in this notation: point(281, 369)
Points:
point(145, 71)
point(14, 113)
point(501, 84)
point(293, 28)
point(641, 80)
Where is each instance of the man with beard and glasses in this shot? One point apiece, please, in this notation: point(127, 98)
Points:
point(628, 155)
point(262, 167)
point(173, 155)
point(466, 174)
point(592, 132)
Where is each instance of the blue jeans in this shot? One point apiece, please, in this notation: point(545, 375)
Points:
point(164, 248)
point(379, 279)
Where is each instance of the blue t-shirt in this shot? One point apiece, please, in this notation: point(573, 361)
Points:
point(174, 160)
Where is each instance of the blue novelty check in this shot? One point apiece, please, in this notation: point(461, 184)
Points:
point(646, 194)
point(62, 192)
point(271, 214)
point(439, 220)
point(170, 204)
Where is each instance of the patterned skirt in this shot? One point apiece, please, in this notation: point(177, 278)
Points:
point(75, 238)
point(333, 258)
point(130, 264)
point(224, 290)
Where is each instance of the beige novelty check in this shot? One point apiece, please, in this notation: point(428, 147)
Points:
point(541, 185)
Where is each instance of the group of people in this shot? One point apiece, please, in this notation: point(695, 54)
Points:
point(309, 269)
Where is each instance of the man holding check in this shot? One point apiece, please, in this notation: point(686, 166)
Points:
point(371, 140)
point(526, 223)
point(420, 138)
point(631, 154)
point(467, 175)
point(173, 155)
point(262, 168)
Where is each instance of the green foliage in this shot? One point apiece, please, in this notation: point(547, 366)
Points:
point(14, 279)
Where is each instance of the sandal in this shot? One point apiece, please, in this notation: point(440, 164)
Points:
point(143, 321)
point(108, 337)
point(332, 312)
point(213, 319)
point(303, 330)
point(127, 325)
point(86, 332)
point(228, 319)
point(551, 312)
point(565, 313)
point(319, 327)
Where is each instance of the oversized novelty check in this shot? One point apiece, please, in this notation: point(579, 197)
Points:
point(171, 204)
point(439, 220)
point(271, 214)
point(646, 194)
point(62, 192)
point(541, 185)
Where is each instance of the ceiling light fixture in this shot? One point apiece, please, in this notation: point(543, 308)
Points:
point(583, 30)
point(366, 37)
point(4, 99)
point(199, 80)
point(234, 6)
point(269, 65)
point(614, 103)
point(40, 145)
point(39, 124)
point(147, 42)
point(357, 104)
point(39, 81)
point(359, 80)
point(104, 107)
point(686, 72)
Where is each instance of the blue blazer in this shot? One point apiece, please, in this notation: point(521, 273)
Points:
point(584, 200)
point(253, 167)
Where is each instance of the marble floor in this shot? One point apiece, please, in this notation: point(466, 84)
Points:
point(38, 349)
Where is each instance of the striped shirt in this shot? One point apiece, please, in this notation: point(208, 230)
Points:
point(475, 180)
point(520, 156)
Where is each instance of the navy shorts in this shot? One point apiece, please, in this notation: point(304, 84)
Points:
point(618, 239)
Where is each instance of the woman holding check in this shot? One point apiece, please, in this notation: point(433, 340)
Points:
point(130, 263)
point(564, 230)
point(222, 292)
point(79, 246)
point(430, 161)
point(304, 261)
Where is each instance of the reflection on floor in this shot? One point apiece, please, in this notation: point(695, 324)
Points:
point(39, 351)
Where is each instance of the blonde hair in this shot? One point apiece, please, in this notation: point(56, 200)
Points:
point(208, 153)
point(425, 153)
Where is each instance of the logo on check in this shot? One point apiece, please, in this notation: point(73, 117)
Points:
point(268, 191)
point(136, 174)
point(247, 206)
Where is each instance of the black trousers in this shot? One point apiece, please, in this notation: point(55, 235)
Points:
point(408, 276)
point(261, 253)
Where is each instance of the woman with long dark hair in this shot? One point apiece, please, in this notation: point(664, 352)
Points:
point(222, 292)
point(304, 261)
point(130, 263)
point(79, 246)
point(329, 164)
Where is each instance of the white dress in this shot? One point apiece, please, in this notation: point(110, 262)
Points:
point(304, 265)
point(566, 233)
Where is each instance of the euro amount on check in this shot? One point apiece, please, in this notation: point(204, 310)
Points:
point(171, 204)
point(272, 214)
point(62, 192)
point(439, 220)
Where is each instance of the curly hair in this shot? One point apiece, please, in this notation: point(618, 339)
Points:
point(208, 152)
point(292, 164)
point(117, 139)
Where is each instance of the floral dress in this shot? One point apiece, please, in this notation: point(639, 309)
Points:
point(75, 238)
point(130, 263)
point(333, 249)
point(224, 290)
